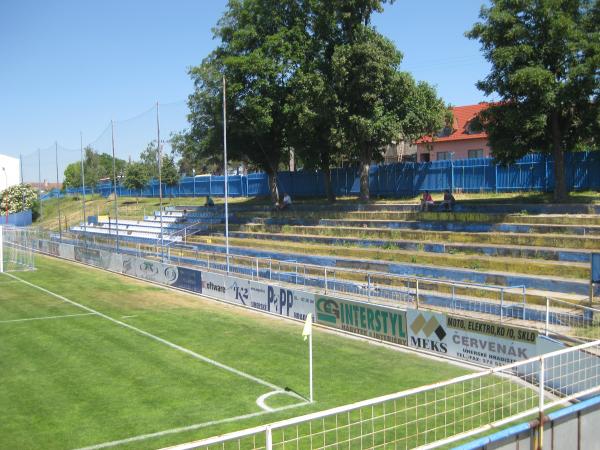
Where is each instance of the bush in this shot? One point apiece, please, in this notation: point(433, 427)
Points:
point(18, 198)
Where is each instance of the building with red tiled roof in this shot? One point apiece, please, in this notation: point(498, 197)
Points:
point(464, 140)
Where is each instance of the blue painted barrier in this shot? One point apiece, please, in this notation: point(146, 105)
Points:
point(20, 219)
point(533, 172)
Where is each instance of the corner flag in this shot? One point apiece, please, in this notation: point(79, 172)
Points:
point(307, 330)
point(307, 333)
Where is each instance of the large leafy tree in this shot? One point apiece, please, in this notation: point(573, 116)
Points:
point(96, 167)
point(149, 158)
point(378, 103)
point(136, 177)
point(262, 45)
point(545, 56)
point(169, 173)
point(314, 121)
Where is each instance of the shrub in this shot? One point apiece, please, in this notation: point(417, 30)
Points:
point(20, 197)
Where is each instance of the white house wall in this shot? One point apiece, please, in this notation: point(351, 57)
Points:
point(12, 171)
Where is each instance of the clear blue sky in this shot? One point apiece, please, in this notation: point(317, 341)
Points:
point(70, 66)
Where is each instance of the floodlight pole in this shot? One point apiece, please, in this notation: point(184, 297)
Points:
point(112, 133)
point(23, 194)
point(57, 184)
point(162, 247)
point(225, 170)
point(83, 185)
point(40, 183)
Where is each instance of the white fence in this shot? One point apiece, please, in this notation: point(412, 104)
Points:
point(434, 415)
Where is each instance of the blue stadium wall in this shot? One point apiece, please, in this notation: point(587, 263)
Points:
point(534, 172)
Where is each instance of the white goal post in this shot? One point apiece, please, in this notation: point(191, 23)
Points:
point(16, 249)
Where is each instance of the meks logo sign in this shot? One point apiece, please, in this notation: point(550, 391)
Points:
point(426, 331)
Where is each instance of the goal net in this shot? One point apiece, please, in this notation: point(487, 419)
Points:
point(16, 249)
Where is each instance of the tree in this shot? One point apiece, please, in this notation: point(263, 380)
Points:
point(545, 56)
point(136, 177)
point(149, 158)
point(169, 174)
point(191, 156)
point(96, 167)
point(262, 43)
point(72, 175)
point(377, 102)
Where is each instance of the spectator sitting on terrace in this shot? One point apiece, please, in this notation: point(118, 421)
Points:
point(449, 201)
point(209, 201)
point(426, 201)
point(287, 201)
point(284, 204)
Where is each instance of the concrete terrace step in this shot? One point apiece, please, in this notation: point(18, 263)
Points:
point(470, 227)
point(476, 263)
point(136, 236)
point(514, 239)
point(549, 286)
point(469, 206)
point(511, 251)
point(550, 219)
point(142, 223)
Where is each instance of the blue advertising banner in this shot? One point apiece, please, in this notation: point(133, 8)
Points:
point(188, 279)
point(596, 268)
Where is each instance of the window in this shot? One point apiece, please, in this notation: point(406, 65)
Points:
point(441, 156)
point(444, 132)
point(474, 127)
point(425, 157)
point(477, 153)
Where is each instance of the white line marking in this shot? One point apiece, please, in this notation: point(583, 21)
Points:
point(187, 428)
point(156, 338)
point(261, 401)
point(47, 317)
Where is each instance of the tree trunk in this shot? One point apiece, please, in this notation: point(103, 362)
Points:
point(560, 185)
point(328, 185)
point(273, 186)
point(327, 177)
point(365, 164)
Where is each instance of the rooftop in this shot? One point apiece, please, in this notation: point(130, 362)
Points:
point(461, 129)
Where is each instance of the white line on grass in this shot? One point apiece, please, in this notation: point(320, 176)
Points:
point(156, 338)
point(186, 428)
point(48, 317)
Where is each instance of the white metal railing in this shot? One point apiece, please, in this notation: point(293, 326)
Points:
point(433, 415)
point(554, 317)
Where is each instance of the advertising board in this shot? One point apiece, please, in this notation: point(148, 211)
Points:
point(188, 279)
point(150, 270)
point(257, 295)
point(378, 322)
point(473, 340)
point(97, 258)
point(596, 268)
point(67, 251)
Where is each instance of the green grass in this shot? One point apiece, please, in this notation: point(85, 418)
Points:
point(130, 207)
point(83, 380)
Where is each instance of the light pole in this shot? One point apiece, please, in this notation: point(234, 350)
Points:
point(194, 174)
point(225, 170)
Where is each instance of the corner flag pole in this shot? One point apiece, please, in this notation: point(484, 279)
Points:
point(307, 332)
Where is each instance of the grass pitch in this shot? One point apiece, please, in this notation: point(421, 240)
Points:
point(129, 370)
